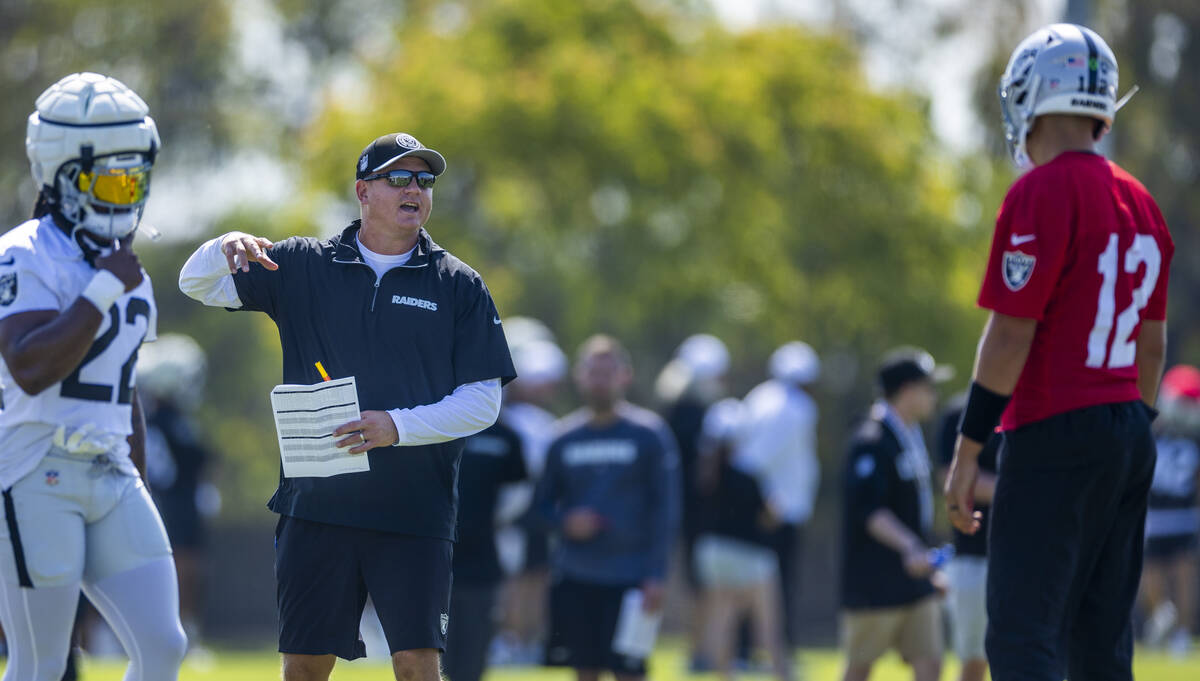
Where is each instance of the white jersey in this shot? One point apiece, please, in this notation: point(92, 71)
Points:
point(42, 268)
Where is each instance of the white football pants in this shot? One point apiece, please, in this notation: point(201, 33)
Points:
point(85, 523)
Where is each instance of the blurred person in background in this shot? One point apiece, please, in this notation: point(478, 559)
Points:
point(686, 387)
point(523, 544)
point(1169, 575)
point(735, 560)
point(490, 460)
point(778, 446)
point(890, 586)
point(171, 376)
point(967, 571)
point(610, 493)
point(75, 308)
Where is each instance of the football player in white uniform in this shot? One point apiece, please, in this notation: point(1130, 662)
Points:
point(75, 306)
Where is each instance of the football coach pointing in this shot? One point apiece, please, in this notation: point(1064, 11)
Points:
point(418, 329)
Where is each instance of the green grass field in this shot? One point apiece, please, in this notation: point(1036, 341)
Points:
point(667, 665)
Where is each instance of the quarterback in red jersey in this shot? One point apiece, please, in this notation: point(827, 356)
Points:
point(1068, 364)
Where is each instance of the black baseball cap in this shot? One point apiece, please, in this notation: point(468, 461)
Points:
point(909, 364)
point(389, 148)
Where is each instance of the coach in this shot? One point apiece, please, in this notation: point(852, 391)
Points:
point(418, 330)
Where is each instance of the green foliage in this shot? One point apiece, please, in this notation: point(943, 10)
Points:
point(611, 169)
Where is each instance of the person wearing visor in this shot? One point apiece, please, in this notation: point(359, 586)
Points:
point(75, 306)
point(1068, 366)
point(418, 330)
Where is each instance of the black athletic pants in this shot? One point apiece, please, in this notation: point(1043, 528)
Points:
point(1065, 546)
point(471, 629)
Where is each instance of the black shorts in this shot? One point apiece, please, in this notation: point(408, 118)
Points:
point(583, 620)
point(1065, 544)
point(1170, 546)
point(325, 572)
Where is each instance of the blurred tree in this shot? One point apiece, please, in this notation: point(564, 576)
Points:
point(644, 172)
point(172, 52)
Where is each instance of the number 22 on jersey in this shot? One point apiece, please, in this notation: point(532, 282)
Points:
point(104, 363)
point(1123, 350)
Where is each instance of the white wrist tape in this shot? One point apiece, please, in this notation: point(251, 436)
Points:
point(103, 290)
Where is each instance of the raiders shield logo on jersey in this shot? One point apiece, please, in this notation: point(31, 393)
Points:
point(8, 288)
point(1017, 269)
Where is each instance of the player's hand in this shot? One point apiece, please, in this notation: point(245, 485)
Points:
point(374, 429)
point(916, 562)
point(654, 594)
point(123, 263)
point(241, 249)
point(960, 487)
point(581, 524)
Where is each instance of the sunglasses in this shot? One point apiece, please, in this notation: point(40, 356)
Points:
point(402, 178)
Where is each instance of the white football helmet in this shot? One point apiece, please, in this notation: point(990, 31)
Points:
point(1062, 68)
point(173, 368)
point(91, 145)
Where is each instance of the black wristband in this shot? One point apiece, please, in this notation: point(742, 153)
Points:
point(982, 413)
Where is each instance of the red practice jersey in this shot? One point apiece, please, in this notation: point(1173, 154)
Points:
point(1080, 246)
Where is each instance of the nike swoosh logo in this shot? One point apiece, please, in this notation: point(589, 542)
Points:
point(496, 320)
point(1018, 239)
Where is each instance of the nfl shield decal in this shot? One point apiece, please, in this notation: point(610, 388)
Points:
point(1017, 269)
point(52, 478)
point(8, 288)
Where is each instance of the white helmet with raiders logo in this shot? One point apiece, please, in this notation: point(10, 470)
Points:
point(1063, 69)
point(91, 145)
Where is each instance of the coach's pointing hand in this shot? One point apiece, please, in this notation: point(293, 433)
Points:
point(374, 429)
point(241, 249)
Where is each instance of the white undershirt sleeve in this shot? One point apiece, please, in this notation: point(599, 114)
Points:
point(472, 407)
point(206, 278)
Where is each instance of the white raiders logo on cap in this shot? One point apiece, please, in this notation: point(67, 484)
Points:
point(8, 288)
point(407, 141)
point(1018, 267)
point(362, 163)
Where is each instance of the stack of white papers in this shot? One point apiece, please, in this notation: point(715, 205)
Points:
point(637, 630)
point(305, 417)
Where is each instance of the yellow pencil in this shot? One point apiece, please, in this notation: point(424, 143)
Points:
point(324, 375)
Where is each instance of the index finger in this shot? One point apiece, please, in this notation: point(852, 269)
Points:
point(351, 427)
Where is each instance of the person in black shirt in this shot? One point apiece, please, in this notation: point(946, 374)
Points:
point(736, 562)
point(888, 593)
point(687, 386)
point(490, 460)
point(967, 573)
point(1173, 518)
point(418, 330)
point(171, 373)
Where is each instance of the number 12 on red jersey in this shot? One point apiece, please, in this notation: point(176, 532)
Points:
point(1123, 351)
